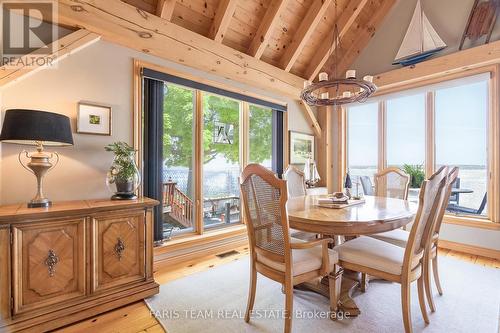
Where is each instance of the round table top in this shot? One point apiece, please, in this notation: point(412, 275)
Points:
point(375, 215)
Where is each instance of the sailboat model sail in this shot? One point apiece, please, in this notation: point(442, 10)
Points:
point(421, 40)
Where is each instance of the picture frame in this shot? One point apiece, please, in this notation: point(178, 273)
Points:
point(94, 119)
point(302, 147)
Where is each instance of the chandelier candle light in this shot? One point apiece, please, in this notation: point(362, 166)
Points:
point(337, 91)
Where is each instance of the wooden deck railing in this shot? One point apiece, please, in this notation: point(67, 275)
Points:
point(181, 206)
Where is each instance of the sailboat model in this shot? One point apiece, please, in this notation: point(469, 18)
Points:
point(311, 175)
point(421, 40)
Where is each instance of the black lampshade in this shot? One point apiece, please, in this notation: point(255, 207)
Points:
point(27, 126)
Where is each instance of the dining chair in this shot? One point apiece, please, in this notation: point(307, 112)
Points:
point(367, 185)
point(296, 182)
point(392, 183)
point(400, 237)
point(296, 187)
point(273, 253)
point(384, 260)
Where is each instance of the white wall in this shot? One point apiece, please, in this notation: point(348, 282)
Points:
point(101, 73)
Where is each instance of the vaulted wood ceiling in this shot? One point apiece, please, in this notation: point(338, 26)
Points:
point(293, 35)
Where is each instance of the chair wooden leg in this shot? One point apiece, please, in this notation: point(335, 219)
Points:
point(435, 270)
point(288, 306)
point(421, 299)
point(363, 282)
point(405, 303)
point(426, 274)
point(334, 283)
point(251, 291)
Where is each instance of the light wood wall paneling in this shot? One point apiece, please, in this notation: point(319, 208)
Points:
point(222, 18)
point(123, 24)
point(165, 9)
point(261, 38)
point(304, 32)
point(347, 17)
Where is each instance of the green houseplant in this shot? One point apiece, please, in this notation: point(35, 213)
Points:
point(123, 176)
point(416, 173)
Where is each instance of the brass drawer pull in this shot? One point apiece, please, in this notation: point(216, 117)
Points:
point(51, 262)
point(119, 248)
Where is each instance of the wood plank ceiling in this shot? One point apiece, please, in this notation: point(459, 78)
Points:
point(293, 35)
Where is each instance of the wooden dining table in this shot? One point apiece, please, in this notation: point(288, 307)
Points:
point(374, 215)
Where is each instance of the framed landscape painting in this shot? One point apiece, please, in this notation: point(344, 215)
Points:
point(301, 147)
point(93, 119)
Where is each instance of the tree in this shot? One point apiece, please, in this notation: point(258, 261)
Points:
point(178, 133)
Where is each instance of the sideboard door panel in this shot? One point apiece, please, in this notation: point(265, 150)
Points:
point(120, 249)
point(49, 261)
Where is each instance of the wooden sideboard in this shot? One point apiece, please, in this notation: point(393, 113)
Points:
point(73, 260)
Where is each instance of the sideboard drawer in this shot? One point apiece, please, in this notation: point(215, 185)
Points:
point(48, 263)
point(119, 249)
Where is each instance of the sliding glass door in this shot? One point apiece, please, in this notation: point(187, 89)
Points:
point(202, 137)
point(178, 159)
point(221, 161)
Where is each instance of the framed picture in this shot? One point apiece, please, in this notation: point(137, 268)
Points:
point(93, 119)
point(301, 147)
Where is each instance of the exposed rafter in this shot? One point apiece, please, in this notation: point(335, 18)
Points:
point(123, 24)
point(311, 119)
point(348, 16)
point(348, 57)
point(305, 30)
point(223, 16)
point(165, 9)
point(61, 48)
point(271, 18)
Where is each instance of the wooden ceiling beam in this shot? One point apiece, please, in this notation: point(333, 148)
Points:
point(347, 17)
point(263, 34)
point(311, 119)
point(303, 33)
point(61, 48)
point(363, 38)
point(222, 18)
point(123, 24)
point(165, 9)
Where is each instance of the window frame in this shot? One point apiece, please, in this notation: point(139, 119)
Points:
point(199, 231)
point(493, 139)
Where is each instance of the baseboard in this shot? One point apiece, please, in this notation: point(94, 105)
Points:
point(470, 249)
point(167, 257)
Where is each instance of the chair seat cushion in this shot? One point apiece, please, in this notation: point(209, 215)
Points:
point(304, 260)
point(398, 237)
point(372, 253)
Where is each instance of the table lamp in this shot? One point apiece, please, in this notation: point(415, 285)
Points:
point(38, 128)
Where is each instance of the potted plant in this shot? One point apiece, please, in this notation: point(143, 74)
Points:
point(416, 173)
point(123, 177)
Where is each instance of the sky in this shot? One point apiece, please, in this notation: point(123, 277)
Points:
point(461, 128)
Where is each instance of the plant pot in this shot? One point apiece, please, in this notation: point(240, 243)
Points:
point(125, 186)
point(123, 177)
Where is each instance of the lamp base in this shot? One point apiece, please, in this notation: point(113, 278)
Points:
point(42, 204)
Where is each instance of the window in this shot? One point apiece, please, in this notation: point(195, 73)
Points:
point(221, 160)
point(208, 135)
point(362, 146)
point(461, 140)
point(423, 129)
point(405, 136)
point(261, 136)
point(178, 159)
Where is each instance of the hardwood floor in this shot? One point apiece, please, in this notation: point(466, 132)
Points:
point(136, 317)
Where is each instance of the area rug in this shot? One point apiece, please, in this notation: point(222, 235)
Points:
point(214, 301)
